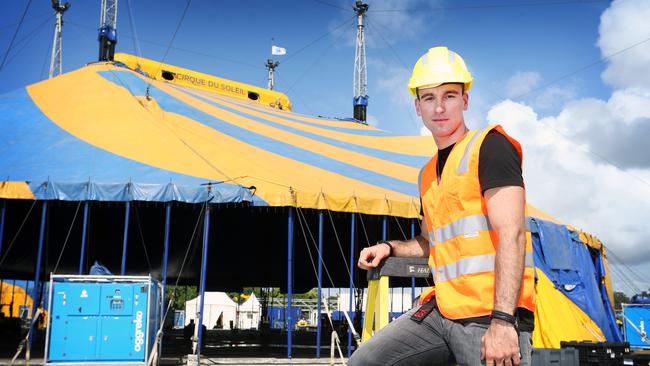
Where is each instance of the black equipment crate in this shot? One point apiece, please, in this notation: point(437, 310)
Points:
point(555, 357)
point(600, 353)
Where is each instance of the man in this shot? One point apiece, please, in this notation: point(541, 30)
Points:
point(480, 309)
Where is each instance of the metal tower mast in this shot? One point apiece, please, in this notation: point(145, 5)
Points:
point(107, 30)
point(360, 100)
point(56, 61)
point(270, 66)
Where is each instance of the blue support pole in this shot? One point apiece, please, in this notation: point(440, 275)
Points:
point(127, 214)
point(412, 277)
point(84, 231)
point(289, 281)
point(320, 280)
point(39, 256)
point(353, 226)
point(384, 228)
point(2, 224)
point(168, 213)
point(204, 264)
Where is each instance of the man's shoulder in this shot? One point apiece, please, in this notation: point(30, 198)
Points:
point(495, 139)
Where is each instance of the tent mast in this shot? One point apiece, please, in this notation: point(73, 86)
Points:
point(270, 66)
point(108, 30)
point(56, 60)
point(360, 86)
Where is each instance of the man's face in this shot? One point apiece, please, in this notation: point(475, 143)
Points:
point(441, 108)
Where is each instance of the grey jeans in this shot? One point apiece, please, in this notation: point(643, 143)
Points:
point(435, 341)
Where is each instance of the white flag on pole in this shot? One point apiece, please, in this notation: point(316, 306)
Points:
point(278, 51)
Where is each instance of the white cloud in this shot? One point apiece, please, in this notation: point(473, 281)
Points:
point(554, 96)
point(631, 104)
point(522, 83)
point(393, 80)
point(622, 25)
point(589, 165)
point(424, 131)
point(577, 187)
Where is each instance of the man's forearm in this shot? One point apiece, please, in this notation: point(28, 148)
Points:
point(416, 247)
point(509, 269)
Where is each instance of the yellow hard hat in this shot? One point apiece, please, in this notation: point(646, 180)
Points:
point(439, 66)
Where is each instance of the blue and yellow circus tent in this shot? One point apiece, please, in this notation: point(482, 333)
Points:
point(137, 131)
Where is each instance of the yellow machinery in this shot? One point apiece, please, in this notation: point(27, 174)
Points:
point(377, 306)
point(184, 77)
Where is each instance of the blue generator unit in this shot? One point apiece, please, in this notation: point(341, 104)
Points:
point(102, 319)
point(636, 318)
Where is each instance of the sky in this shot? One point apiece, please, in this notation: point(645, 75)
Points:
point(569, 79)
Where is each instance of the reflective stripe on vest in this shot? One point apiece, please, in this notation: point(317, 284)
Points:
point(463, 166)
point(468, 226)
point(473, 265)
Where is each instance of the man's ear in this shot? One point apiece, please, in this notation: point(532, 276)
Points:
point(465, 101)
point(417, 107)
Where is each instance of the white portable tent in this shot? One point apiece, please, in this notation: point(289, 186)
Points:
point(215, 304)
point(249, 313)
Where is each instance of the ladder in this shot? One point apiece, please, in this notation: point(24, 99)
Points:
point(377, 305)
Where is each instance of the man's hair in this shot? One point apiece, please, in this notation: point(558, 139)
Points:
point(462, 89)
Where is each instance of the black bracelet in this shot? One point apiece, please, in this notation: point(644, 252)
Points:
point(390, 246)
point(496, 314)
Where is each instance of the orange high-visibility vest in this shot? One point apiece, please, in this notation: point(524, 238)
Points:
point(462, 244)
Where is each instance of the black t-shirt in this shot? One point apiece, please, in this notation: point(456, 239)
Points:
point(499, 165)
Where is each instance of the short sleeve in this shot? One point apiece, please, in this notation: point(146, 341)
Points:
point(499, 163)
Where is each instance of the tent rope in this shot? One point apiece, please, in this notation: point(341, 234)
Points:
point(13, 241)
point(144, 245)
point(313, 242)
point(65, 242)
point(336, 235)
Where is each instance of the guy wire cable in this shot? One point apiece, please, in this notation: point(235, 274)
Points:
point(65, 242)
point(144, 244)
point(22, 18)
point(17, 233)
point(313, 242)
point(173, 37)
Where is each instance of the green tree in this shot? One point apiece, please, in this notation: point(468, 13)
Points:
point(181, 295)
point(620, 298)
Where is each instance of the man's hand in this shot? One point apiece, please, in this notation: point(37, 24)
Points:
point(500, 344)
point(371, 257)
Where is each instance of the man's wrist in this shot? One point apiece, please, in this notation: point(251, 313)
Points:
point(390, 246)
point(503, 318)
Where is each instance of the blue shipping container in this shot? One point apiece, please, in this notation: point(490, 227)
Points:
point(102, 319)
point(636, 316)
point(278, 316)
